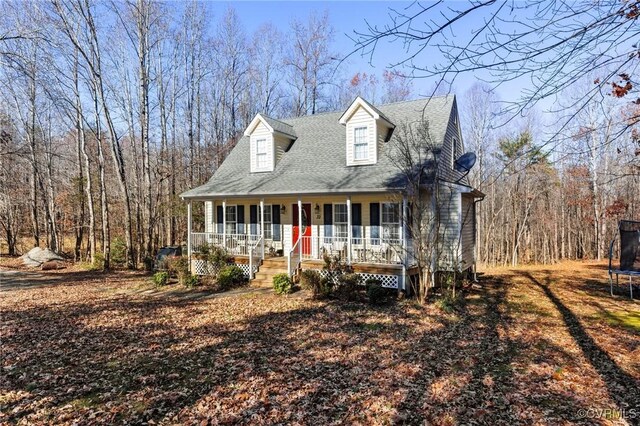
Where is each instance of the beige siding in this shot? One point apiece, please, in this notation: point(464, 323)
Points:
point(468, 232)
point(445, 157)
point(280, 145)
point(262, 132)
point(448, 200)
point(362, 118)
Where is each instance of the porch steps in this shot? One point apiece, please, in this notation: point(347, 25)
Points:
point(266, 271)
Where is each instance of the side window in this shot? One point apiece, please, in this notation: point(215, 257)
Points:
point(455, 151)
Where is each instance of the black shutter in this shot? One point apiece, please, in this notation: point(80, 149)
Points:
point(240, 225)
point(253, 219)
point(219, 219)
point(328, 220)
point(275, 220)
point(374, 218)
point(356, 220)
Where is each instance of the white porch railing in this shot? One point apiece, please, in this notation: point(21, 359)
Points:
point(363, 250)
point(236, 244)
point(256, 252)
point(293, 258)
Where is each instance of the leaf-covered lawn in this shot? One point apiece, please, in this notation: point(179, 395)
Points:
point(544, 345)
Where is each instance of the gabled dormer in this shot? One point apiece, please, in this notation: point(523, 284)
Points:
point(367, 128)
point(268, 140)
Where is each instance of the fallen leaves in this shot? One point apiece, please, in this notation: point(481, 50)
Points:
point(94, 350)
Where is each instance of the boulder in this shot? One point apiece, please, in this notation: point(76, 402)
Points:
point(37, 256)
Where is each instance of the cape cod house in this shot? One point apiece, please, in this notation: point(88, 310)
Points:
point(296, 189)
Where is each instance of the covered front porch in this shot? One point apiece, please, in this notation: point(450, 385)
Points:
point(367, 230)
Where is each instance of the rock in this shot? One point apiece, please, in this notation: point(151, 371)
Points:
point(37, 256)
point(52, 265)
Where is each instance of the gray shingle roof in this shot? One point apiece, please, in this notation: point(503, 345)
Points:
point(316, 162)
point(279, 126)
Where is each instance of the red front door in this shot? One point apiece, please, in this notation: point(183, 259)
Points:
point(306, 227)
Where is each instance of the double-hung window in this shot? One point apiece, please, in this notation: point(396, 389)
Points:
point(231, 219)
point(390, 221)
point(340, 221)
point(267, 222)
point(261, 154)
point(360, 144)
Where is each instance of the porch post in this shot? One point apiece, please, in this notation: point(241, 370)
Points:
point(349, 230)
point(224, 224)
point(405, 252)
point(262, 225)
point(189, 234)
point(300, 227)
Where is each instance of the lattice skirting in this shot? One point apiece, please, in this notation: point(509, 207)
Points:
point(386, 280)
point(201, 267)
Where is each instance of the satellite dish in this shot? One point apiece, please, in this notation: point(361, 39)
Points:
point(465, 162)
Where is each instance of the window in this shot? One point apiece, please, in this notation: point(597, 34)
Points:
point(231, 219)
point(267, 222)
point(261, 154)
point(390, 221)
point(360, 145)
point(340, 220)
point(455, 151)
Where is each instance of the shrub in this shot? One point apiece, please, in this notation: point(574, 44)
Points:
point(98, 262)
point(118, 252)
point(191, 281)
point(282, 283)
point(160, 279)
point(217, 258)
point(320, 286)
point(231, 276)
point(348, 286)
point(179, 266)
point(148, 263)
point(446, 303)
point(375, 292)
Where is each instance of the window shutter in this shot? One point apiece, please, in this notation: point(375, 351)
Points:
point(253, 219)
point(356, 220)
point(240, 224)
point(328, 220)
point(374, 209)
point(275, 220)
point(219, 219)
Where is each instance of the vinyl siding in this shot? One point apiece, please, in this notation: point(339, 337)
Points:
point(445, 157)
point(449, 227)
point(208, 216)
point(361, 118)
point(262, 132)
point(468, 232)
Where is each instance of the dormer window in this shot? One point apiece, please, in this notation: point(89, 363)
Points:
point(366, 130)
point(261, 154)
point(360, 144)
point(268, 140)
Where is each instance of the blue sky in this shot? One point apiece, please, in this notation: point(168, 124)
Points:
point(345, 18)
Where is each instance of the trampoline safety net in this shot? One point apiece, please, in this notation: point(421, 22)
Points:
point(629, 246)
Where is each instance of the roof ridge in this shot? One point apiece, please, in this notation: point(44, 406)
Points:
point(372, 104)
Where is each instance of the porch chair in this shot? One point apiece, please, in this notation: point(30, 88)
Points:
point(629, 254)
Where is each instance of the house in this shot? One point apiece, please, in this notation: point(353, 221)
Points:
point(296, 189)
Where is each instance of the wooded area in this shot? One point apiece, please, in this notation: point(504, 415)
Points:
point(109, 110)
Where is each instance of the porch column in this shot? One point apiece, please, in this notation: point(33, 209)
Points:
point(262, 226)
point(300, 227)
point(349, 230)
point(224, 224)
point(189, 234)
point(405, 249)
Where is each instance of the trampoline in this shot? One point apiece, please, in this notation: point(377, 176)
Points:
point(629, 233)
